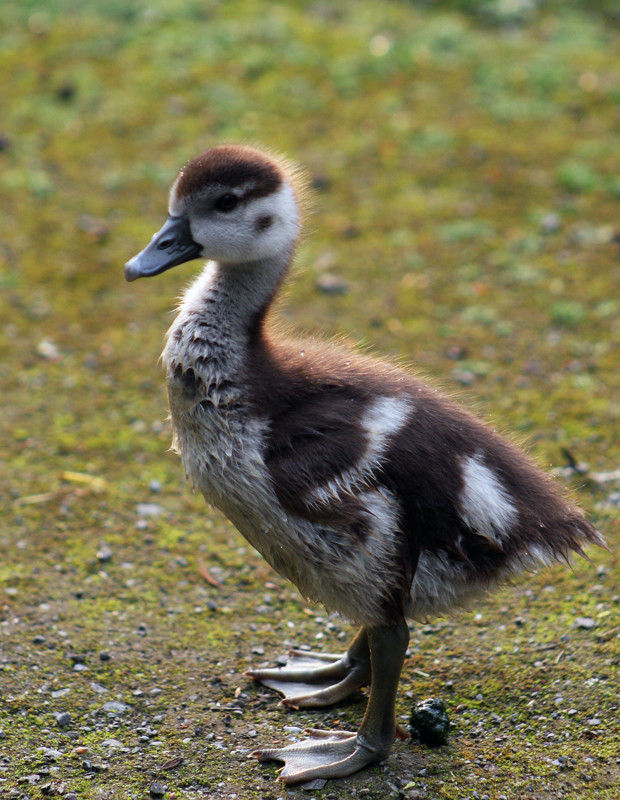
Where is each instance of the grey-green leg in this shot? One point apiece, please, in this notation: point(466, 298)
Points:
point(334, 754)
point(312, 680)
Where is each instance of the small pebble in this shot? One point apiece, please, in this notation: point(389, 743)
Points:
point(149, 509)
point(550, 223)
point(155, 486)
point(63, 719)
point(48, 350)
point(585, 622)
point(463, 376)
point(157, 789)
point(331, 284)
point(315, 783)
point(104, 554)
point(39, 640)
point(2, 734)
point(104, 656)
point(114, 707)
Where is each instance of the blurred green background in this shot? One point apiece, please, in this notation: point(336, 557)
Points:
point(465, 161)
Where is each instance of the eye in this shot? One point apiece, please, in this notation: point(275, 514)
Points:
point(226, 202)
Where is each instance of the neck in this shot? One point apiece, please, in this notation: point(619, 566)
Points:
point(247, 290)
point(224, 308)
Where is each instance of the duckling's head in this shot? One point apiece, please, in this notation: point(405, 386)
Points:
point(233, 204)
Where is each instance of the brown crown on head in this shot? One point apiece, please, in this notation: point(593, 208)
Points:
point(231, 166)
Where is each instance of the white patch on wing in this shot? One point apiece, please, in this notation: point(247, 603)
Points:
point(381, 420)
point(485, 505)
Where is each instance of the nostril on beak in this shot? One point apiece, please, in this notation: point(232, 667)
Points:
point(165, 244)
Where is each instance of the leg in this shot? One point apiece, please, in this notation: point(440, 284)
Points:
point(335, 754)
point(312, 680)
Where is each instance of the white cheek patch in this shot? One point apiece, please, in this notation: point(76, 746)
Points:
point(281, 208)
point(485, 505)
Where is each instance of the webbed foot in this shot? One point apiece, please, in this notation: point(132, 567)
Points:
point(313, 680)
point(326, 754)
point(335, 754)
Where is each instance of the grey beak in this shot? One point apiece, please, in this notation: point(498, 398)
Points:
point(170, 246)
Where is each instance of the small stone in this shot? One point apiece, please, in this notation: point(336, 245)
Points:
point(48, 350)
point(463, 376)
point(585, 622)
point(456, 352)
point(2, 734)
point(66, 91)
point(149, 509)
point(315, 783)
point(550, 223)
point(114, 707)
point(104, 656)
point(331, 284)
point(39, 640)
point(97, 229)
point(157, 789)
point(429, 722)
point(320, 182)
point(155, 486)
point(104, 554)
point(63, 719)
